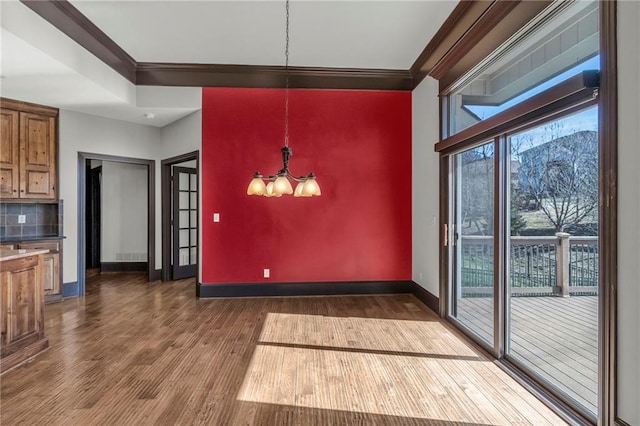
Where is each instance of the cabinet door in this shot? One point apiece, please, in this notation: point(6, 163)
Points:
point(38, 156)
point(9, 154)
point(51, 273)
point(51, 276)
point(22, 300)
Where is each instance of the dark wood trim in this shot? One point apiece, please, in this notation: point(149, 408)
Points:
point(6, 103)
point(69, 20)
point(455, 42)
point(302, 289)
point(151, 211)
point(165, 196)
point(223, 75)
point(608, 212)
point(492, 15)
point(574, 91)
point(430, 300)
point(500, 21)
point(124, 267)
point(443, 266)
point(157, 275)
point(473, 30)
point(461, 18)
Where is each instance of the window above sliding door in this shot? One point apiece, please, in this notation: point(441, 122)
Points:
point(560, 43)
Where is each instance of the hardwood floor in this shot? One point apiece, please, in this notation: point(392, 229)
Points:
point(133, 353)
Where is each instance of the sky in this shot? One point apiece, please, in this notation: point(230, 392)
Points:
point(582, 120)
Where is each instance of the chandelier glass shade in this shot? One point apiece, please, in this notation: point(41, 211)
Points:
point(280, 184)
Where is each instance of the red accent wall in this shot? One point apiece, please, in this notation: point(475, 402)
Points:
point(358, 143)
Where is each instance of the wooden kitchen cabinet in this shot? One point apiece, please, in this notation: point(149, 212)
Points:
point(9, 153)
point(51, 272)
point(29, 151)
point(21, 307)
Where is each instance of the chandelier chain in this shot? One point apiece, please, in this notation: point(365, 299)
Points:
point(286, 70)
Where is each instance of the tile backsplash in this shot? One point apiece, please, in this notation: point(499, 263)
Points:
point(41, 220)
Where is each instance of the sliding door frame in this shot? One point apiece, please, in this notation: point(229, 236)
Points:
point(577, 93)
point(607, 243)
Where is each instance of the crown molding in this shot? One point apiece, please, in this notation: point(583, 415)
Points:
point(217, 75)
point(452, 47)
point(69, 20)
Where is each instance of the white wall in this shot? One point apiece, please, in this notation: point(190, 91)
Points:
point(425, 186)
point(180, 137)
point(628, 212)
point(124, 213)
point(87, 133)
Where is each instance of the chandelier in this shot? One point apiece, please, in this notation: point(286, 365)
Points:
point(280, 184)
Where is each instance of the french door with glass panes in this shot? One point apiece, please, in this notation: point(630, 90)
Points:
point(185, 222)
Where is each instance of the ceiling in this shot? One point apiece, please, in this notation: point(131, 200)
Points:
point(40, 64)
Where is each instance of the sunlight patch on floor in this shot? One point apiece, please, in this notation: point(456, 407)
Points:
point(386, 367)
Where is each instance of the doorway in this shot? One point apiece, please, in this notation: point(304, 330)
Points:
point(88, 204)
point(180, 217)
point(93, 215)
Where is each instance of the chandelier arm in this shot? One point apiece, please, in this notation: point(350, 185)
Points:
point(296, 178)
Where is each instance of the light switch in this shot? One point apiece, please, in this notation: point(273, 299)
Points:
point(216, 217)
point(22, 218)
point(267, 273)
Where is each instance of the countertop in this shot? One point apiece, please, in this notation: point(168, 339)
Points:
point(25, 239)
point(17, 254)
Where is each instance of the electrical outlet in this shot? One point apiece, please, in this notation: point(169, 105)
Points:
point(267, 273)
point(22, 218)
point(216, 217)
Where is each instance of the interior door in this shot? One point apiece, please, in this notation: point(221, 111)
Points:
point(185, 222)
point(94, 209)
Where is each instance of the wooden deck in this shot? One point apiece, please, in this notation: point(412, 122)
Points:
point(557, 337)
point(138, 353)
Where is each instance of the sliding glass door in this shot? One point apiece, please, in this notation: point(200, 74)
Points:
point(471, 234)
point(523, 228)
point(552, 302)
point(520, 151)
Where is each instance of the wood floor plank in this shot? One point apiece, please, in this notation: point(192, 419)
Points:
point(132, 352)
